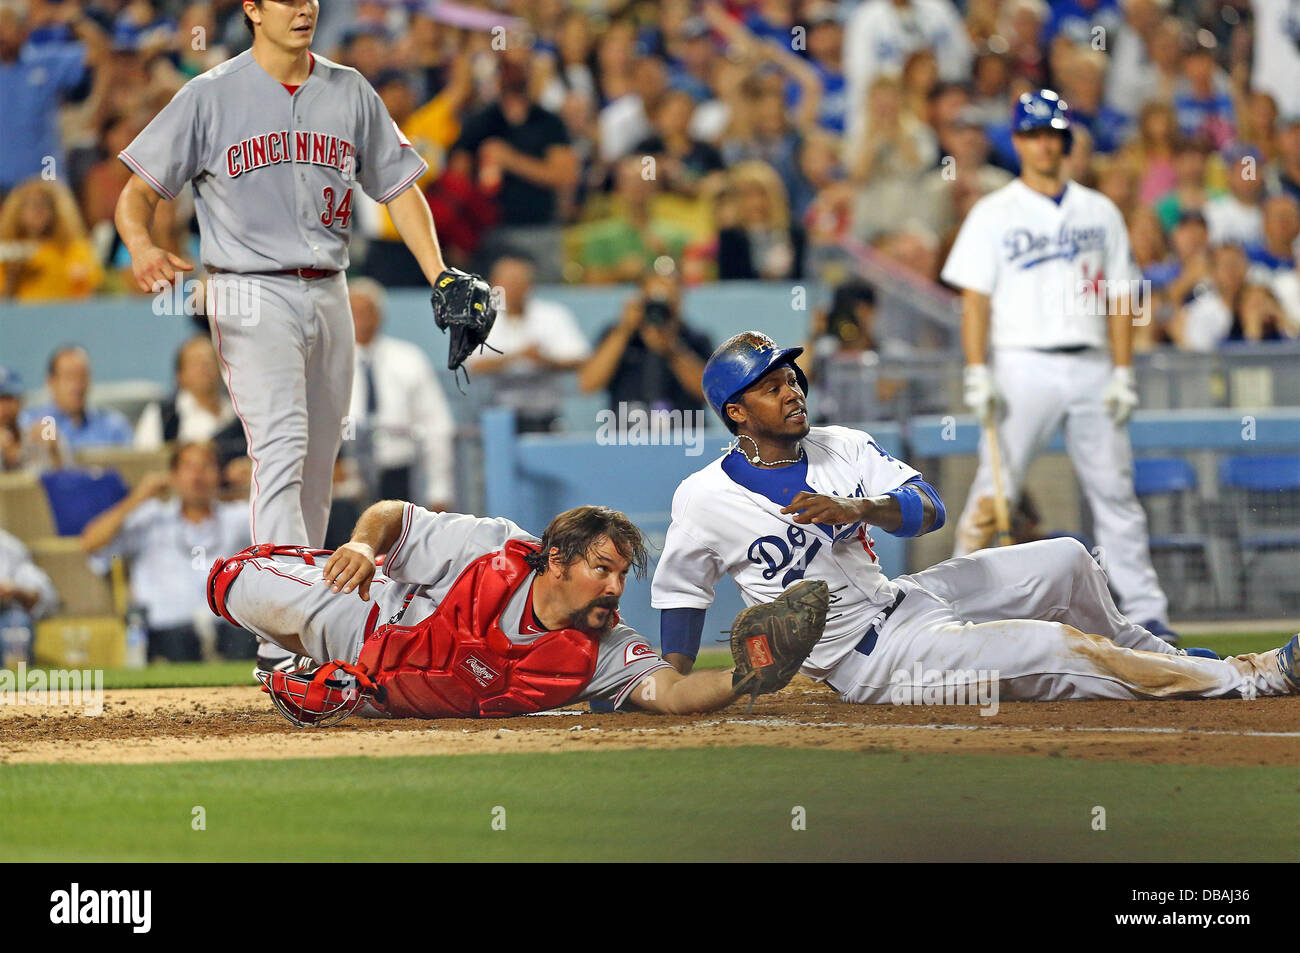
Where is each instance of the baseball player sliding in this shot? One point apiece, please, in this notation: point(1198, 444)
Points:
point(1044, 267)
point(476, 618)
point(275, 140)
point(790, 502)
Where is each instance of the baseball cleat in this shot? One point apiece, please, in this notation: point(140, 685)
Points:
point(1202, 653)
point(286, 664)
point(1288, 663)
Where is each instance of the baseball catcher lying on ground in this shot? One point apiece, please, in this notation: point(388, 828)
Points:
point(476, 618)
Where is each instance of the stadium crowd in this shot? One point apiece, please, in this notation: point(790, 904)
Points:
point(742, 140)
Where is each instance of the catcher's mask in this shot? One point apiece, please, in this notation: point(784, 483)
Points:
point(319, 698)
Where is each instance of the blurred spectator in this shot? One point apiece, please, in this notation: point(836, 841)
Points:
point(37, 448)
point(1261, 318)
point(1207, 319)
point(44, 252)
point(404, 428)
point(881, 33)
point(895, 151)
point(522, 155)
point(431, 128)
point(1203, 98)
point(34, 79)
point(1189, 193)
point(1150, 153)
point(1285, 172)
point(964, 175)
point(1116, 180)
point(990, 82)
point(756, 239)
point(1274, 250)
point(828, 213)
point(650, 358)
point(26, 596)
point(840, 356)
point(1189, 266)
point(568, 70)
point(826, 57)
point(1273, 259)
point(1078, 21)
point(621, 246)
point(1083, 86)
point(681, 162)
point(1022, 26)
point(920, 80)
point(538, 343)
point(197, 411)
point(1135, 77)
point(169, 545)
point(68, 379)
point(625, 121)
point(690, 58)
point(1257, 126)
point(1238, 216)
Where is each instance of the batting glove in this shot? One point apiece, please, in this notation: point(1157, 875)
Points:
point(1120, 396)
point(978, 390)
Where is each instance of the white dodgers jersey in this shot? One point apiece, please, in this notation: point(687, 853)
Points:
point(727, 520)
point(1050, 266)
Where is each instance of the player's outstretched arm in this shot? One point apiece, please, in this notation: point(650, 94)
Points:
point(414, 222)
point(154, 268)
point(352, 565)
point(669, 692)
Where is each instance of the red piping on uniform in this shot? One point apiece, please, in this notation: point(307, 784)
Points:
point(248, 439)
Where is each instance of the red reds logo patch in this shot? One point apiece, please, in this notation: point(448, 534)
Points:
point(637, 650)
point(480, 671)
point(760, 654)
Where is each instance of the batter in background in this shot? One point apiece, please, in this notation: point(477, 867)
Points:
point(275, 140)
point(1045, 268)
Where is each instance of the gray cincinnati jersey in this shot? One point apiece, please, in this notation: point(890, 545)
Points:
point(435, 548)
point(273, 173)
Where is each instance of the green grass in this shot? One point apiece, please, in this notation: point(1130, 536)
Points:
point(180, 675)
point(689, 804)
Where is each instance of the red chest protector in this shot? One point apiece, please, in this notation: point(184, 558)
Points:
point(458, 662)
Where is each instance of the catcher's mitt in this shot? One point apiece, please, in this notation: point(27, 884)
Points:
point(462, 304)
point(769, 642)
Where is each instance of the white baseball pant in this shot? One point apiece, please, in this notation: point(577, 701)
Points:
point(1044, 390)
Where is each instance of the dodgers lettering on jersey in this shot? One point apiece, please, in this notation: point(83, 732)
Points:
point(727, 520)
point(274, 173)
point(1048, 267)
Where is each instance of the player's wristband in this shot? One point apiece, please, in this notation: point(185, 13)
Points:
point(912, 508)
point(680, 631)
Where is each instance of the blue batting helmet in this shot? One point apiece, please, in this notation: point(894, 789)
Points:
point(1043, 110)
point(741, 360)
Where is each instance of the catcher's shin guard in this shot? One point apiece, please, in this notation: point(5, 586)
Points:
point(223, 571)
point(320, 698)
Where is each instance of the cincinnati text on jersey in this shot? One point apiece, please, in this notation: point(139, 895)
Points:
point(272, 148)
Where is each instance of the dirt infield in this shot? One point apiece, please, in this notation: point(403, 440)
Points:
point(161, 725)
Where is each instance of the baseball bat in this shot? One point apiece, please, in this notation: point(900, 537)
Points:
point(1001, 513)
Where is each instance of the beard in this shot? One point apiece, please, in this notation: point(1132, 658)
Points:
point(578, 619)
